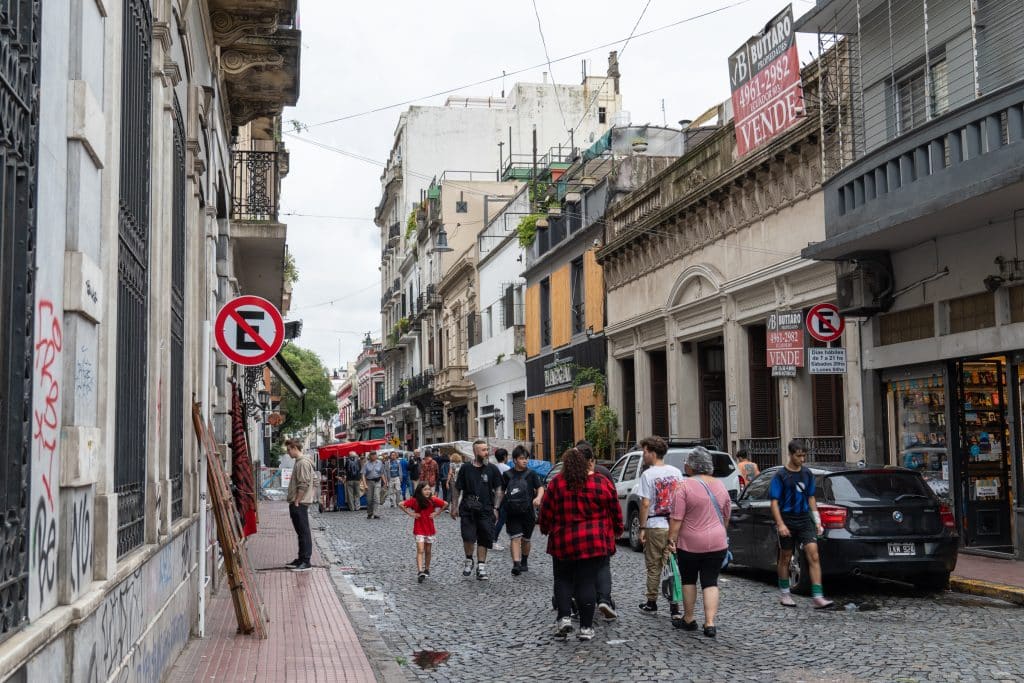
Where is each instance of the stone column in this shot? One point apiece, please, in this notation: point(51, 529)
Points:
point(688, 387)
point(672, 379)
point(642, 382)
point(613, 389)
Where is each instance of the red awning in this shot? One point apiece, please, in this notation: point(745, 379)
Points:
point(337, 450)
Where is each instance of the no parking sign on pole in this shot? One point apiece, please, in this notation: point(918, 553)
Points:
point(249, 330)
point(825, 323)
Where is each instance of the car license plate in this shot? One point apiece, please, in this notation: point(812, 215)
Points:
point(902, 550)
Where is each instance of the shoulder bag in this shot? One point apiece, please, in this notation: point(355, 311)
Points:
point(721, 519)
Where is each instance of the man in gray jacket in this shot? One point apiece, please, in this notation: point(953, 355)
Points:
point(303, 491)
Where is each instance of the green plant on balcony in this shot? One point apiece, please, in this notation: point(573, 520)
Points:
point(602, 430)
point(410, 225)
point(527, 229)
point(584, 375)
point(520, 351)
point(403, 325)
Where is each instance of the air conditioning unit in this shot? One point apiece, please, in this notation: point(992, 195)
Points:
point(854, 295)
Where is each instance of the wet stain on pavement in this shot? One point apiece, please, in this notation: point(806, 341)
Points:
point(430, 659)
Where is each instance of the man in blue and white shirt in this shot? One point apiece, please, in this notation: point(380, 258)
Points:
point(374, 477)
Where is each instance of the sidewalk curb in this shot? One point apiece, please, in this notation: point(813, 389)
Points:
point(382, 659)
point(987, 589)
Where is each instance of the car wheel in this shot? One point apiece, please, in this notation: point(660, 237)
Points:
point(634, 531)
point(932, 582)
point(799, 576)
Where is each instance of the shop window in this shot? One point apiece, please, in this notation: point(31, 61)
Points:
point(578, 311)
point(919, 425)
point(909, 325)
point(972, 312)
point(1016, 304)
point(545, 312)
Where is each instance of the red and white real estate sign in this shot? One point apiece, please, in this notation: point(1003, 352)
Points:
point(764, 74)
point(785, 337)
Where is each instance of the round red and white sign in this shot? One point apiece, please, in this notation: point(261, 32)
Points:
point(825, 323)
point(249, 330)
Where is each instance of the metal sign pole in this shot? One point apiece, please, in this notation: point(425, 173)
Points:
point(205, 381)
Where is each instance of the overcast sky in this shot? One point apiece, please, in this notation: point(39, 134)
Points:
point(359, 56)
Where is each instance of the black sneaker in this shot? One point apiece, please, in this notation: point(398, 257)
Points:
point(607, 610)
point(523, 563)
point(517, 569)
point(302, 567)
point(421, 577)
point(650, 607)
point(293, 563)
point(427, 573)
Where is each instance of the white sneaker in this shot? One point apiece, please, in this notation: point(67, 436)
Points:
point(585, 634)
point(467, 567)
point(563, 627)
point(481, 571)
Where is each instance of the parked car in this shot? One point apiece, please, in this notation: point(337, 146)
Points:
point(626, 476)
point(557, 468)
point(881, 522)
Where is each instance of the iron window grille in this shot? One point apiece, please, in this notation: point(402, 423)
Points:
point(133, 278)
point(19, 31)
point(579, 322)
point(545, 312)
point(178, 232)
point(256, 183)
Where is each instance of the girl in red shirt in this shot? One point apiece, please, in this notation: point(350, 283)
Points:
point(423, 507)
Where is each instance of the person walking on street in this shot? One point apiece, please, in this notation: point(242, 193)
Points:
point(374, 476)
point(414, 469)
point(657, 484)
point(429, 469)
point(423, 506)
point(581, 516)
point(353, 476)
point(798, 522)
point(524, 491)
point(443, 465)
point(407, 488)
point(748, 468)
point(477, 492)
point(501, 458)
point(605, 602)
point(453, 473)
point(394, 479)
point(698, 535)
point(303, 491)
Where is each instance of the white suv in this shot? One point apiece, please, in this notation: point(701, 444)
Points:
point(626, 477)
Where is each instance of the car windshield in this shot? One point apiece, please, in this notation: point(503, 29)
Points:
point(723, 463)
point(875, 487)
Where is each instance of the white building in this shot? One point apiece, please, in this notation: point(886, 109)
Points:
point(469, 134)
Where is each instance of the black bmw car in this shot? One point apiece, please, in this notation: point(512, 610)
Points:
point(883, 522)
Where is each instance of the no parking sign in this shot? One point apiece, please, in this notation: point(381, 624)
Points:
point(249, 330)
point(825, 323)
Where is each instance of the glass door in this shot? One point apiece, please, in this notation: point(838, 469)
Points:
point(984, 454)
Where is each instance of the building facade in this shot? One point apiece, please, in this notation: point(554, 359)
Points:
point(466, 135)
point(121, 239)
point(922, 215)
point(696, 262)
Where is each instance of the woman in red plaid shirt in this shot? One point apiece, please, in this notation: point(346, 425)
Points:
point(581, 516)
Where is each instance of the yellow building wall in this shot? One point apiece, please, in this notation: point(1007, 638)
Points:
point(562, 400)
point(532, 320)
point(561, 307)
point(593, 283)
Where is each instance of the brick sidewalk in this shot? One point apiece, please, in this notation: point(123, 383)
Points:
point(310, 636)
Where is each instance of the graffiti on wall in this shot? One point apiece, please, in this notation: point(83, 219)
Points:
point(81, 547)
point(49, 346)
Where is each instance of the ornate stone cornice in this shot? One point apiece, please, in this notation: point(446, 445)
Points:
point(230, 27)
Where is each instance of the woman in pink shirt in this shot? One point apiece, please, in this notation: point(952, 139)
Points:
point(697, 534)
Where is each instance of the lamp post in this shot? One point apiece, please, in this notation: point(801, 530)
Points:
point(264, 400)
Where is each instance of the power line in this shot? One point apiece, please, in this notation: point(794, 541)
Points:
point(547, 56)
point(574, 55)
point(337, 218)
point(334, 301)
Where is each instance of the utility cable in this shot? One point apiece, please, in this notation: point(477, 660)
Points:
point(551, 71)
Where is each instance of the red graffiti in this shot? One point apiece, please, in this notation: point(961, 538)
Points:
point(49, 343)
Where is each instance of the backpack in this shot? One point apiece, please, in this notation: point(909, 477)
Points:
point(352, 469)
point(518, 498)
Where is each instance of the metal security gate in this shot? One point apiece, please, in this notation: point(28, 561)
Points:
point(178, 229)
point(133, 278)
point(19, 136)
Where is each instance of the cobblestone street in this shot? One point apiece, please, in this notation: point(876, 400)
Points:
point(500, 630)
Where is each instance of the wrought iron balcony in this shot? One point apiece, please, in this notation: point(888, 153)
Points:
point(421, 384)
point(394, 232)
point(257, 185)
point(824, 448)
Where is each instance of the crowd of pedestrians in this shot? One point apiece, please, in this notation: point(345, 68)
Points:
point(684, 518)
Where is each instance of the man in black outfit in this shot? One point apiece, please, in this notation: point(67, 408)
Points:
point(605, 603)
point(477, 492)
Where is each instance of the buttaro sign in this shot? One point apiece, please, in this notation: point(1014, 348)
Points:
point(764, 74)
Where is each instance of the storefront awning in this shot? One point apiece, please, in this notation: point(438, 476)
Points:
point(279, 366)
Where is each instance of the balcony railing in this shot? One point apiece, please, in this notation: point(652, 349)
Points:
point(824, 448)
point(257, 184)
point(394, 231)
point(766, 452)
point(421, 384)
point(398, 398)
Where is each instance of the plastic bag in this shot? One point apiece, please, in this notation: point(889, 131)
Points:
point(671, 584)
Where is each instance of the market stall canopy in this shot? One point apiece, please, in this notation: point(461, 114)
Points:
point(337, 450)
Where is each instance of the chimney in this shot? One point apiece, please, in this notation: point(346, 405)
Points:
point(613, 69)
